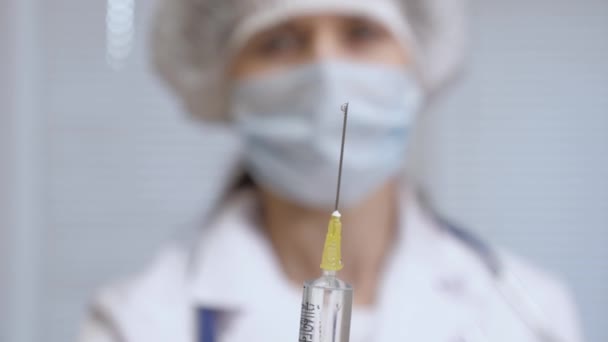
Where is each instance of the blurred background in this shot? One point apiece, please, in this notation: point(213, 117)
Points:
point(99, 166)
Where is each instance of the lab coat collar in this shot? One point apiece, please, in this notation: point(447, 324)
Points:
point(234, 268)
point(233, 263)
point(426, 276)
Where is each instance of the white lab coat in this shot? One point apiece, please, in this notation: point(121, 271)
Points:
point(434, 288)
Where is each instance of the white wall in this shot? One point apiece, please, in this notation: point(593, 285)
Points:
point(110, 167)
point(6, 106)
point(520, 151)
point(125, 169)
point(20, 161)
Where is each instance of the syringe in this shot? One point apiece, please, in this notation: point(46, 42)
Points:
point(327, 301)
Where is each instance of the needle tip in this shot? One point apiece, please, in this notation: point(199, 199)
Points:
point(345, 108)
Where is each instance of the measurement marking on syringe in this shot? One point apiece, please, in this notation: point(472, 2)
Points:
point(307, 321)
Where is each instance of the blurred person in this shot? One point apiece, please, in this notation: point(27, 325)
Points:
point(276, 73)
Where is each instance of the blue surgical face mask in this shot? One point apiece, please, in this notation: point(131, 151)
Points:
point(292, 125)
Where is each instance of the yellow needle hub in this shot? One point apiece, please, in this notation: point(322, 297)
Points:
point(332, 254)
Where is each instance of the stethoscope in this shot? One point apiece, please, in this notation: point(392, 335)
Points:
point(507, 284)
point(511, 291)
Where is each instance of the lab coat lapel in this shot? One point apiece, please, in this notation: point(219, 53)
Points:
point(245, 285)
point(422, 296)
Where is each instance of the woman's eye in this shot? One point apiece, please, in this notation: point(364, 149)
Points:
point(280, 44)
point(364, 32)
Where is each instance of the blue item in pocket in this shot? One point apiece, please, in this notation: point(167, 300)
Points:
point(207, 323)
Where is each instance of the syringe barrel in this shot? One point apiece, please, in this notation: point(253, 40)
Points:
point(326, 310)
